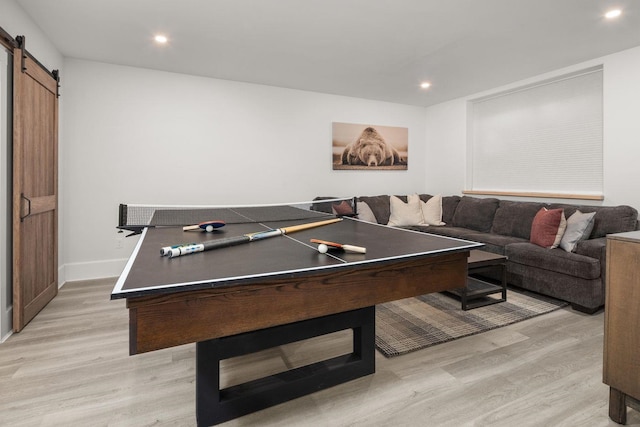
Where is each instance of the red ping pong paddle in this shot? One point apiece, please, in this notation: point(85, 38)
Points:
point(333, 245)
point(206, 226)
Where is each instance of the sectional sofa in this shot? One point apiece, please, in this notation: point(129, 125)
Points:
point(573, 272)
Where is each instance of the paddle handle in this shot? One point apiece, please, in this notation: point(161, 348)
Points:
point(356, 249)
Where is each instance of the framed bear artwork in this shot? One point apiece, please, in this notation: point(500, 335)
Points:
point(369, 147)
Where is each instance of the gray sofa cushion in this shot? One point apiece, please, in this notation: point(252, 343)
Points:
point(515, 218)
point(608, 219)
point(556, 260)
point(448, 231)
point(475, 213)
point(425, 197)
point(586, 293)
point(380, 207)
point(495, 243)
point(449, 205)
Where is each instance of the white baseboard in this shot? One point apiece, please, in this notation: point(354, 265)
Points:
point(90, 270)
point(6, 336)
point(70, 273)
point(6, 322)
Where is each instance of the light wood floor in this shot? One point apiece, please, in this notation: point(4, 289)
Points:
point(70, 367)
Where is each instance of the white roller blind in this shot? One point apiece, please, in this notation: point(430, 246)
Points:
point(541, 138)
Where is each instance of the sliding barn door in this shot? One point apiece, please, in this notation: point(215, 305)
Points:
point(35, 187)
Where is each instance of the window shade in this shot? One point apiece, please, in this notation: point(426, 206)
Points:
point(540, 138)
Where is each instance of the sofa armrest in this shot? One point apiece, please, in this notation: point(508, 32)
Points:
point(594, 248)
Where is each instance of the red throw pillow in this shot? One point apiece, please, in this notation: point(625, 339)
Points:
point(548, 227)
point(344, 208)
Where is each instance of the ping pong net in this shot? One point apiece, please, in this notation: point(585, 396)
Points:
point(135, 217)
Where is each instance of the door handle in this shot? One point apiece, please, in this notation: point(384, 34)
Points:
point(23, 197)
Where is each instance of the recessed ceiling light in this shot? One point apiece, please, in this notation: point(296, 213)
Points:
point(614, 13)
point(159, 38)
point(425, 85)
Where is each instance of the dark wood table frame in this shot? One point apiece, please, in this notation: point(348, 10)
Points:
point(222, 317)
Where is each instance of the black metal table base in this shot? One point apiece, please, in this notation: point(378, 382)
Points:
point(214, 406)
point(476, 293)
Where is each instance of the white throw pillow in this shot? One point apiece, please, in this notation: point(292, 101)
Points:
point(365, 213)
point(402, 213)
point(432, 210)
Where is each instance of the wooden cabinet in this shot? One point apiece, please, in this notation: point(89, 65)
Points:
point(621, 368)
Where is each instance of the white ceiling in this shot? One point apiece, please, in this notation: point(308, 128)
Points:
point(374, 49)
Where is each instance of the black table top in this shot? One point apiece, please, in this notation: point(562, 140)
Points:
point(148, 273)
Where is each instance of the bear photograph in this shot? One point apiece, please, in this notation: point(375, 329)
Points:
point(369, 147)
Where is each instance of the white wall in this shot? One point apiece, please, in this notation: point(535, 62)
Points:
point(17, 23)
point(5, 197)
point(622, 128)
point(446, 130)
point(139, 136)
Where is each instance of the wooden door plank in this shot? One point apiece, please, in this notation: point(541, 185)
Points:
point(35, 182)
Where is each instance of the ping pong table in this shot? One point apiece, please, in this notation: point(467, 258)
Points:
point(246, 298)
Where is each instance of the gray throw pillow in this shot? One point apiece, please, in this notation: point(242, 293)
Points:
point(579, 226)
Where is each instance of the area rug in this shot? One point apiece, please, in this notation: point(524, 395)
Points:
point(415, 323)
